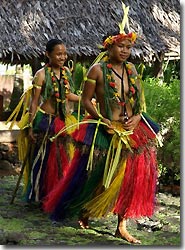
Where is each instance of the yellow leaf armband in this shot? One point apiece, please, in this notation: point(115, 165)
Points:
point(37, 86)
point(90, 80)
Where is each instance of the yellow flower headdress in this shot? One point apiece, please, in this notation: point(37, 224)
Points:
point(117, 38)
point(122, 35)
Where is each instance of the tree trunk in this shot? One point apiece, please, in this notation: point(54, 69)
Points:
point(158, 69)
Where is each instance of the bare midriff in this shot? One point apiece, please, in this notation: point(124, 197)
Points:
point(49, 106)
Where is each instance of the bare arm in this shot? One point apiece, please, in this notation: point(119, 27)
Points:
point(89, 92)
point(73, 97)
point(138, 83)
point(134, 120)
point(37, 85)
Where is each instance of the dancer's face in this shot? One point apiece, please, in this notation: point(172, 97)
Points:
point(58, 56)
point(120, 51)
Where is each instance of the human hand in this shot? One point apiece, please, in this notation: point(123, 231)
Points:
point(31, 135)
point(93, 102)
point(108, 122)
point(132, 122)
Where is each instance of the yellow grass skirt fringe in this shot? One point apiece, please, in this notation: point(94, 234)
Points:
point(70, 120)
point(120, 140)
point(102, 204)
point(24, 102)
point(23, 143)
point(114, 172)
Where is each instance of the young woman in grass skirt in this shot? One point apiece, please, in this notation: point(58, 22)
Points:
point(48, 112)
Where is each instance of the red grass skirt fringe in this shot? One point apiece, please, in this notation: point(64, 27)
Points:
point(134, 196)
point(137, 193)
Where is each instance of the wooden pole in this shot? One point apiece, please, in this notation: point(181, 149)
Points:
point(21, 174)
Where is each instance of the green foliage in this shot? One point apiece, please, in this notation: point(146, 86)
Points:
point(171, 71)
point(78, 76)
point(163, 105)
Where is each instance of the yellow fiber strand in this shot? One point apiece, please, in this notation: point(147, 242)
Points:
point(99, 57)
point(41, 149)
point(120, 137)
point(24, 100)
point(41, 154)
point(104, 203)
point(109, 160)
point(66, 128)
point(24, 121)
point(79, 108)
point(70, 120)
point(71, 150)
point(22, 143)
point(125, 19)
point(14, 114)
point(39, 172)
point(127, 141)
point(143, 102)
point(90, 160)
point(114, 165)
point(27, 100)
point(80, 91)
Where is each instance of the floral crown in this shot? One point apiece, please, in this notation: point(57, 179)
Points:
point(117, 38)
point(122, 35)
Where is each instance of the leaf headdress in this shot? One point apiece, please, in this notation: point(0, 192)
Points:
point(119, 37)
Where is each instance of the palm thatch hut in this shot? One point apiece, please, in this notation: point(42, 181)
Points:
point(26, 26)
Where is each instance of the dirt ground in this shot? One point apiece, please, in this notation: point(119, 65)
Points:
point(5, 172)
point(23, 224)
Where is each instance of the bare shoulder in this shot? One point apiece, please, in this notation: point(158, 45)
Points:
point(39, 76)
point(132, 67)
point(96, 66)
point(94, 69)
point(40, 72)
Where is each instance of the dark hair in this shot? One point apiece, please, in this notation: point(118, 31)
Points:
point(110, 34)
point(52, 43)
point(114, 33)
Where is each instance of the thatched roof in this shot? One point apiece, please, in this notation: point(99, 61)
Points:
point(26, 26)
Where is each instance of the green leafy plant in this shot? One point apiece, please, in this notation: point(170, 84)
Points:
point(78, 76)
point(163, 104)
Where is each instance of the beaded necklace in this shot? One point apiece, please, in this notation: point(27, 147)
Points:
point(61, 88)
point(112, 91)
point(122, 98)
